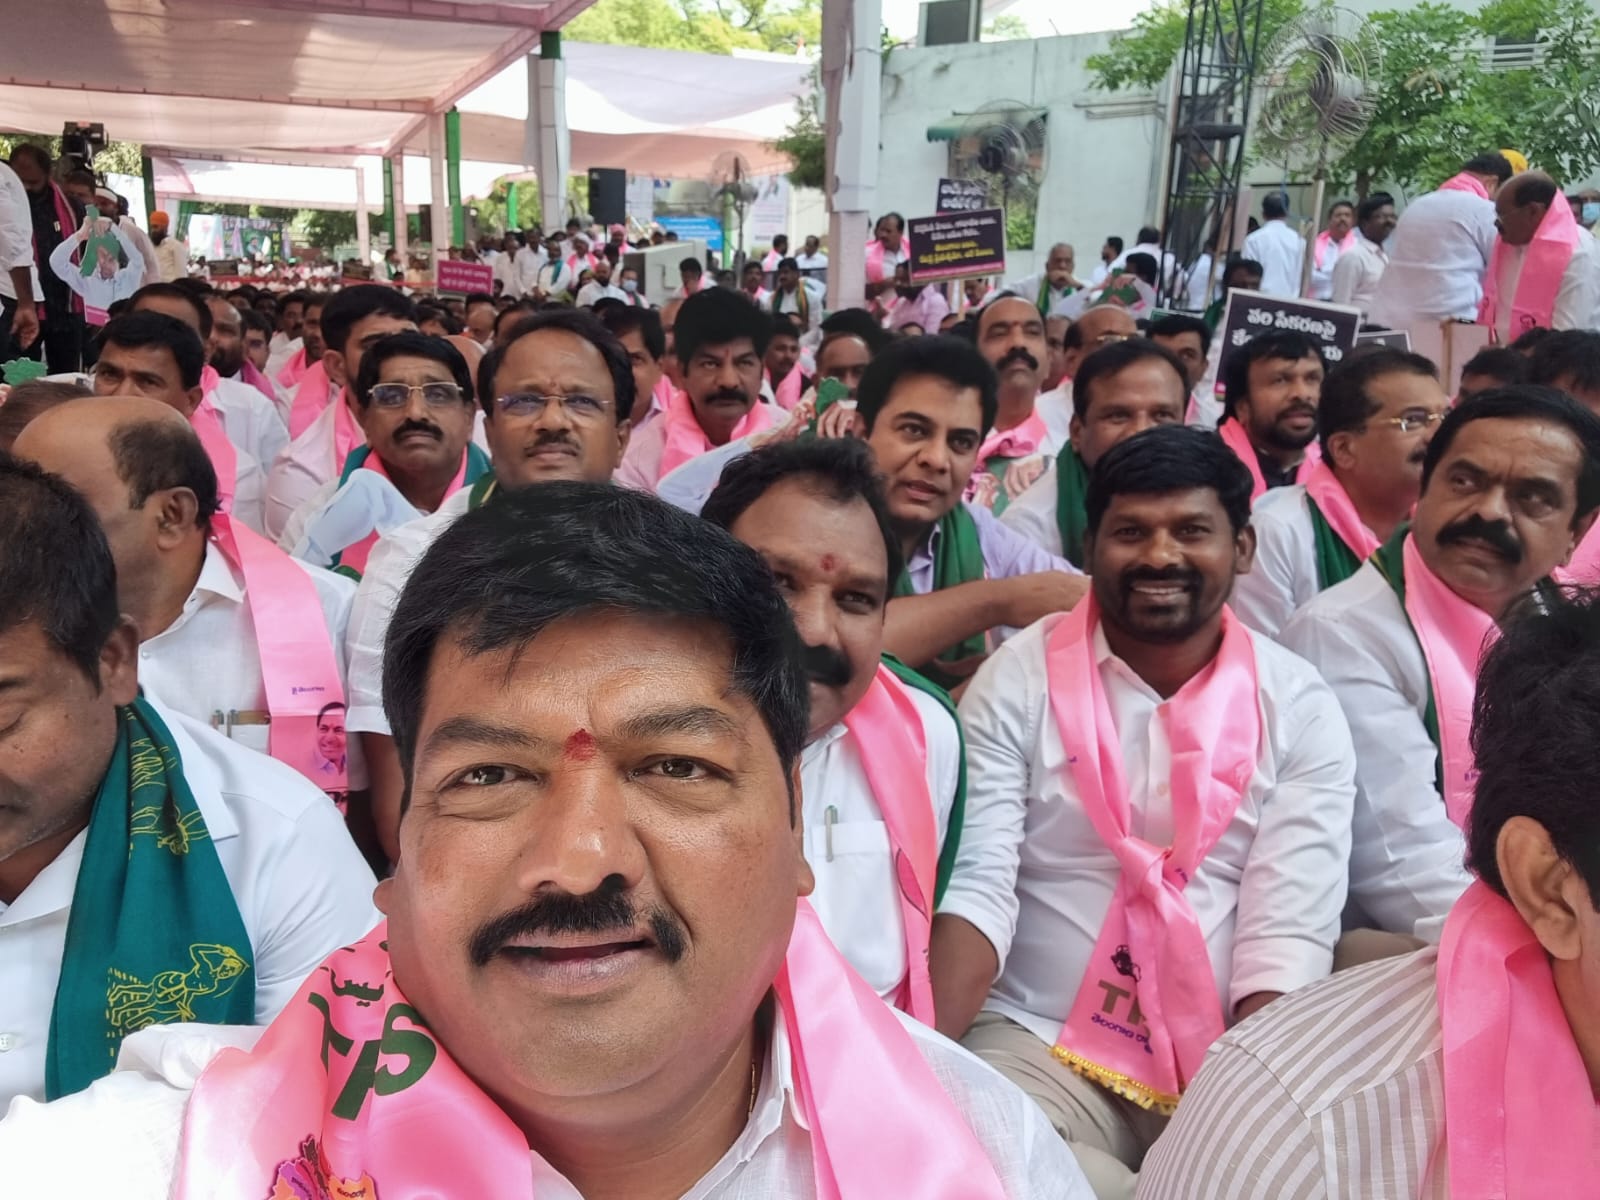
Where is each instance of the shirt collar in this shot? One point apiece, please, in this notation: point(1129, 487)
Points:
point(217, 575)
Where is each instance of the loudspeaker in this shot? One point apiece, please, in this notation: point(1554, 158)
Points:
point(608, 195)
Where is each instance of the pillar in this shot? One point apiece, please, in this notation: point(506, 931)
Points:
point(148, 170)
point(547, 145)
point(452, 169)
point(388, 199)
point(397, 195)
point(438, 231)
point(851, 83)
point(363, 222)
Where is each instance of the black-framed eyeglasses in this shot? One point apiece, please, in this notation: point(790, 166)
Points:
point(580, 407)
point(398, 395)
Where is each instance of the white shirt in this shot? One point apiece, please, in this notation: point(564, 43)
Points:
point(1321, 287)
point(1577, 299)
point(96, 290)
point(812, 262)
point(249, 491)
point(172, 256)
point(1406, 866)
point(388, 567)
point(209, 661)
point(1035, 878)
point(303, 466)
point(789, 302)
point(527, 264)
point(250, 420)
point(1033, 514)
point(279, 351)
point(1028, 289)
point(1199, 287)
point(1284, 574)
point(120, 1137)
point(858, 892)
point(1281, 252)
point(301, 886)
point(1437, 255)
point(1358, 272)
point(554, 278)
point(16, 234)
point(594, 290)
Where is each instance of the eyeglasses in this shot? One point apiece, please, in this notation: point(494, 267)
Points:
point(1411, 422)
point(532, 404)
point(1105, 339)
point(398, 395)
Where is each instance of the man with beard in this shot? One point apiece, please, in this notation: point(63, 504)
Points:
point(557, 396)
point(233, 365)
point(293, 356)
point(720, 338)
point(920, 304)
point(1123, 388)
point(286, 338)
point(1158, 832)
point(1053, 284)
point(172, 254)
point(1269, 415)
point(1510, 486)
point(1376, 418)
point(882, 775)
point(258, 345)
point(55, 216)
point(415, 405)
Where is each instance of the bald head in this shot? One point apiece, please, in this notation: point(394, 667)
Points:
point(1521, 204)
point(1100, 325)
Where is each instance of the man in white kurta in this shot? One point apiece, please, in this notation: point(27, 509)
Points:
point(1279, 249)
point(1359, 271)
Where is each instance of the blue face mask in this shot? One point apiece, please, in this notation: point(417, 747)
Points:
point(630, 286)
point(1591, 211)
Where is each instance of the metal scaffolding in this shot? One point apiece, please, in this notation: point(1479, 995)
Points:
point(1210, 116)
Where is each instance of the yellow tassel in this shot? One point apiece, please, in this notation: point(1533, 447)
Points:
point(1119, 1084)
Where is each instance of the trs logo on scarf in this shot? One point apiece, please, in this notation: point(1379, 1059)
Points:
point(307, 1177)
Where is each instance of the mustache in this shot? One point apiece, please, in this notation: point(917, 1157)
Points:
point(411, 426)
point(1134, 575)
point(553, 437)
point(737, 394)
point(1298, 410)
point(825, 665)
point(607, 909)
point(1497, 535)
point(1017, 354)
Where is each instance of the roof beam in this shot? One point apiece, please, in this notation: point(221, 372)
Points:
point(487, 68)
point(395, 105)
point(505, 16)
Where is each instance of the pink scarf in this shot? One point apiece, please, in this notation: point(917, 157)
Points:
point(1584, 569)
point(1539, 282)
point(1465, 183)
point(1148, 1009)
point(1453, 635)
point(310, 398)
point(685, 438)
point(298, 668)
point(355, 556)
point(769, 264)
point(207, 425)
point(293, 371)
point(1323, 486)
point(877, 269)
point(1325, 239)
point(252, 375)
point(347, 1093)
point(787, 394)
point(888, 731)
point(1232, 432)
point(1017, 442)
point(1520, 1117)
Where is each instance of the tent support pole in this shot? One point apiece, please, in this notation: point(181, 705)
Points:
point(851, 83)
point(547, 144)
point(363, 222)
point(452, 167)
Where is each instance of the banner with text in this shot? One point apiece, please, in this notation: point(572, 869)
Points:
point(1248, 315)
point(962, 195)
point(957, 245)
point(457, 276)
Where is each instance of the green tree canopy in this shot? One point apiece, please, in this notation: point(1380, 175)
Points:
point(714, 27)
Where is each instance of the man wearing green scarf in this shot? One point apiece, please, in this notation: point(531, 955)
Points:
point(1121, 389)
point(150, 870)
point(414, 402)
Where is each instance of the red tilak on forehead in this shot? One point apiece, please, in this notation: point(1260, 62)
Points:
point(829, 562)
point(580, 747)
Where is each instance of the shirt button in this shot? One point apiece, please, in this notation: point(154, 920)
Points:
point(7, 1041)
point(144, 654)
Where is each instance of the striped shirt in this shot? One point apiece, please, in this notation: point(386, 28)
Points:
point(1335, 1091)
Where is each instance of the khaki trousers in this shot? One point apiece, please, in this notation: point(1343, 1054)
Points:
point(1109, 1135)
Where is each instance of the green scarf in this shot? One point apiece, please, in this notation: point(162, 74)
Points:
point(477, 467)
point(154, 935)
point(958, 810)
point(1042, 303)
point(1389, 558)
point(998, 466)
point(481, 491)
point(958, 559)
point(1336, 562)
point(1072, 486)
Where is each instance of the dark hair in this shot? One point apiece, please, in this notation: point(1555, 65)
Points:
point(41, 159)
point(841, 469)
point(329, 707)
point(1144, 266)
point(715, 317)
point(859, 322)
point(1274, 205)
point(622, 319)
point(498, 576)
point(58, 569)
point(1531, 402)
point(569, 320)
point(1116, 357)
point(298, 296)
point(477, 298)
point(171, 291)
point(438, 312)
point(345, 309)
point(259, 321)
point(516, 311)
point(783, 325)
point(1345, 405)
point(1534, 189)
point(691, 265)
point(779, 237)
point(1115, 243)
point(949, 358)
point(1279, 344)
point(1371, 205)
point(1177, 324)
point(1170, 458)
point(789, 264)
point(139, 330)
point(1503, 364)
point(1338, 204)
point(28, 399)
point(317, 300)
point(152, 456)
point(407, 343)
point(1149, 235)
point(899, 221)
point(1494, 163)
point(1570, 354)
point(1242, 264)
point(1533, 723)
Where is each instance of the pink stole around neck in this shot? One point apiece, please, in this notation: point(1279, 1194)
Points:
point(1325, 239)
point(207, 424)
point(355, 556)
point(299, 670)
point(1453, 635)
point(348, 1093)
point(293, 371)
point(1147, 1009)
point(686, 439)
point(310, 398)
point(1323, 486)
point(787, 394)
point(1539, 282)
point(1519, 1111)
point(1464, 182)
point(1584, 568)
point(1232, 432)
point(1017, 442)
point(887, 729)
